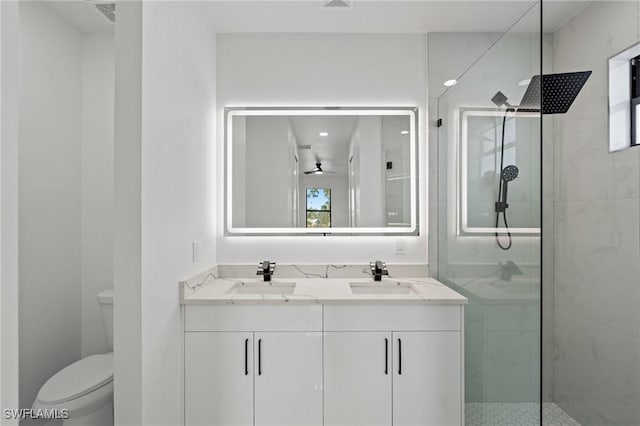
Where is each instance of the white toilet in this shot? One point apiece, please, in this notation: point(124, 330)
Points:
point(84, 388)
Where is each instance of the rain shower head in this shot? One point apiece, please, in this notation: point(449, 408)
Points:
point(509, 173)
point(558, 90)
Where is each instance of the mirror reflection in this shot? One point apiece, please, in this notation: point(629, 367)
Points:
point(321, 171)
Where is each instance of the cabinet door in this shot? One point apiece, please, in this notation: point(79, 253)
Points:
point(427, 388)
point(218, 379)
point(288, 379)
point(357, 378)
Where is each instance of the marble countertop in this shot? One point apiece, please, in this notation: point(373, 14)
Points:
point(318, 290)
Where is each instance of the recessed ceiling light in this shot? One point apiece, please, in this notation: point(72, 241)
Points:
point(525, 82)
point(323, 134)
point(404, 132)
point(451, 82)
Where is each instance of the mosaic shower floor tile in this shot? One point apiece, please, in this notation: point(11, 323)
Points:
point(515, 414)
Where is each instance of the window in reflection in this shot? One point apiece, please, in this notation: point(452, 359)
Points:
point(318, 208)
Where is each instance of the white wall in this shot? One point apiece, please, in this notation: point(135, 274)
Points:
point(97, 184)
point(267, 158)
point(369, 193)
point(397, 186)
point(239, 171)
point(320, 70)
point(9, 101)
point(127, 360)
point(49, 197)
point(177, 189)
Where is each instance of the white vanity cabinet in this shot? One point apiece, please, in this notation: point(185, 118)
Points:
point(253, 365)
point(332, 364)
point(393, 365)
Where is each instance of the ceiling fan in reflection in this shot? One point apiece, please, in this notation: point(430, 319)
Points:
point(318, 170)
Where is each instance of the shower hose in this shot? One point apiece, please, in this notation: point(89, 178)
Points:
point(504, 211)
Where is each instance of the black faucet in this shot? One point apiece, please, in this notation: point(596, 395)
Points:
point(266, 269)
point(378, 269)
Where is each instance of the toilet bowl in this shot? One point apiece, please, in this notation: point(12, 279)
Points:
point(85, 388)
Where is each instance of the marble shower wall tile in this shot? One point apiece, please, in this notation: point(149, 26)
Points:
point(625, 176)
point(596, 377)
point(584, 168)
point(597, 262)
point(596, 372)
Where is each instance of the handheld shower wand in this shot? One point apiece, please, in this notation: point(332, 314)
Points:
point(508, 174)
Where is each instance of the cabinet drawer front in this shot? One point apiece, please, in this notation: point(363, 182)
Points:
point(395, 317)
point(253, 318)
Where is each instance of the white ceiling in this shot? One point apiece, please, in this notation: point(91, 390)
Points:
point(332, 150)
point(82, 15)
point(379, 16)
point(365, 16)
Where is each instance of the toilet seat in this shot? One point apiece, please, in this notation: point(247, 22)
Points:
point(78, 379)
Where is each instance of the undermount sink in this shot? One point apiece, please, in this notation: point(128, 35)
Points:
point(259, 288)
point(388, 287)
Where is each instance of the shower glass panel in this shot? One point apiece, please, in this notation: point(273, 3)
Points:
point(489, 224)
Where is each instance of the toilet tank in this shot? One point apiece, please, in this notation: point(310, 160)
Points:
point(105, 299)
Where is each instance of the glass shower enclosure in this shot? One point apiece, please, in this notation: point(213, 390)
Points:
point(489, 219)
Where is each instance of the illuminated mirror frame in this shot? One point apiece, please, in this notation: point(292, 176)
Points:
point(411, 112)
point(463, 193)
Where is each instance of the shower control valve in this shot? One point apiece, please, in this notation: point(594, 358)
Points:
point(501, 206)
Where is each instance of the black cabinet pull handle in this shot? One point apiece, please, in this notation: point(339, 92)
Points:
point(400, 356)
point(386, 356)
point(259, 357)
point(246, 357)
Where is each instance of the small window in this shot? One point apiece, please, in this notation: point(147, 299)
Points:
point(318, 208)
point(624, 99)
point(635, 100)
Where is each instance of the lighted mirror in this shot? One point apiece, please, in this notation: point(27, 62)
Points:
point(327, 171)
point(482, 157)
